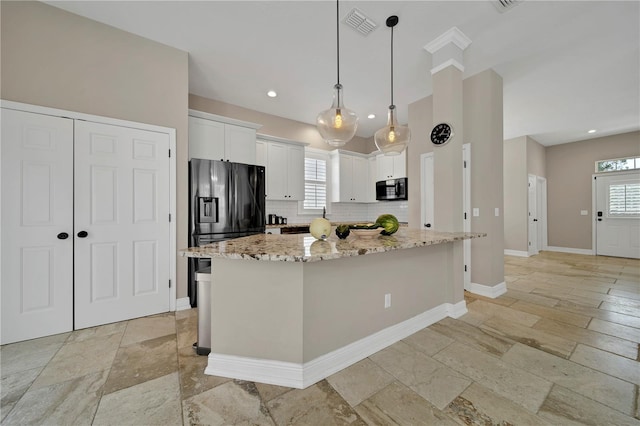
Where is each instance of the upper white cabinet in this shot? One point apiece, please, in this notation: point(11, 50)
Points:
point(391, 166)
point(350, 177)
point(219, 138)
point(284, 164)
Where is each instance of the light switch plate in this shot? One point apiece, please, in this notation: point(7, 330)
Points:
point(476, 211)
point(497, 211)
point(584, 212)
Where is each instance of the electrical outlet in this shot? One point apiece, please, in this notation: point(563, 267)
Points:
point(387, 300)
point(584, 212)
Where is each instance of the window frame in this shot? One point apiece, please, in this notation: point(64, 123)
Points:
point(318, 154)
point(636, 164)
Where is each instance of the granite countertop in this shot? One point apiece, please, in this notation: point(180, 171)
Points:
point(305, 248)
point(298, 225)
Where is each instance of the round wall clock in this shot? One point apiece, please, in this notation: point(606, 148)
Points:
point(441, 134)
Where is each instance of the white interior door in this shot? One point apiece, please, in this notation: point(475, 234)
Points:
point(427, 210)
point(122, 204)
point(618, 215)
point(541, 212)
point(532, 216)
point(37, 212)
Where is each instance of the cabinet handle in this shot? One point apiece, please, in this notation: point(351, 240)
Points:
point(63, 236)
point(82, 234)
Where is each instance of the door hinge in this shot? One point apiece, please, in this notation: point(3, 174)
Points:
point(465, 164)
point(169, 153)
point(169, 217)
point(169, 283)
point(465, 268)
point(465, 215)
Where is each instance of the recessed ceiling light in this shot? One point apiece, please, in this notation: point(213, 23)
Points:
point(272, 93)
point(592, 131)
point(371, 116)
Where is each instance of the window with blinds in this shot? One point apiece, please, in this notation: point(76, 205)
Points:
point(315, 184)
point(624, 199)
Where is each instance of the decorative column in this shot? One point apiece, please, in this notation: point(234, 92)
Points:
point(446, 71)
point(447, 68)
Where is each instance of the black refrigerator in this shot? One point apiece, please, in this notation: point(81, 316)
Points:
point(226, 200)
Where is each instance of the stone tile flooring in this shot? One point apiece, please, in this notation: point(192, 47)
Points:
point(560, 347)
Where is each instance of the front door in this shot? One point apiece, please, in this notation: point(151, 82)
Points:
point(618, 214)
point(37, 220)
point(121, 223)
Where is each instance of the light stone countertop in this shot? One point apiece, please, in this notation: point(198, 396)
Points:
point(305, 248)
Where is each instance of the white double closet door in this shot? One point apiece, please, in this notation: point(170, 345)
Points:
point(85, 224)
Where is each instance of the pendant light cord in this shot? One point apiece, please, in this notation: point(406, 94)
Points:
point(391, 65)
point(338, 38)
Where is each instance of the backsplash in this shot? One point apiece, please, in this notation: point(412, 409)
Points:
point(342, 212)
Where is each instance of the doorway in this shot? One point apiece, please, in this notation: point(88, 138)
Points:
point(537, 214)
point(617, 214)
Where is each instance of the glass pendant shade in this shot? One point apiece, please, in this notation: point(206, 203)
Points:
point(393, 138)
point(337, 125)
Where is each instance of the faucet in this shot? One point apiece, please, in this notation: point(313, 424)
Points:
point(324, 212)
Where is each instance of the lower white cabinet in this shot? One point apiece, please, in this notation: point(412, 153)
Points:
point(350, 177)
point(284, 167)
point(85, 224)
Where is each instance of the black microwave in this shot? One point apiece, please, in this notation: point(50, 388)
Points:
point(392, 189)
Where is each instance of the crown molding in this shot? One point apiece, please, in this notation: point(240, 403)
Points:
point(452, 35)
point(450, 62)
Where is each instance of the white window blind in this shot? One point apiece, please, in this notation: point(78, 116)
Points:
point(624, 199)
point(315, 183)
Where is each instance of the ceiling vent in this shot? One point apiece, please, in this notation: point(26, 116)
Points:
point(359, 22)
point(504, 5)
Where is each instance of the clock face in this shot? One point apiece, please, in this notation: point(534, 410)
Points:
point(441, 134)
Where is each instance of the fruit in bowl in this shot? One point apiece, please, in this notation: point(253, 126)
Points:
point(389, 222)
point(366, 232)
point(342, 231)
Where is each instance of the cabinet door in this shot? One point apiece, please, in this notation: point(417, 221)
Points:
point(400, 165)
point(37, 207)
point(206, 139)
point(261, 154)
point(385, 167)
point(371, 180)
point(240, 144)
point(276, 171)
point(360, 179)
point(295, 172)
point(346, 179)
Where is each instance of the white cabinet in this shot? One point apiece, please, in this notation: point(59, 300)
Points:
point(350, 177)
point(391, 166)
point(371, 180)
point(284, 164)
point(218, 138)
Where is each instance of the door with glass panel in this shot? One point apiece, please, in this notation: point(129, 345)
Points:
point(617, 218)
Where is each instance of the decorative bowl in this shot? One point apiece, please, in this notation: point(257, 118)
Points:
point(366, 233)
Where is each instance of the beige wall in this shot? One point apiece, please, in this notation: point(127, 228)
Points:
point(569, 175)
point(276, 126)
point(483, 130)
point(515, 194)
point(536, 158)
point(57, 59)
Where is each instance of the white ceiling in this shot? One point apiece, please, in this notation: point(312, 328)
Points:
point(567, 66)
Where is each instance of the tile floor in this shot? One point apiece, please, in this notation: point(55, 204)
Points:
point(560, 347)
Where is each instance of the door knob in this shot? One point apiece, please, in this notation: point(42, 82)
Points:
point(63, 236)
point(599, 219)
point(428, 225)
point(82, 234)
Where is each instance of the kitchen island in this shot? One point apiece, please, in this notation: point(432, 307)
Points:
point(291, 310)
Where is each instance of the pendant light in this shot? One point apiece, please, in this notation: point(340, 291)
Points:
point(337, 125)
point(393, 138)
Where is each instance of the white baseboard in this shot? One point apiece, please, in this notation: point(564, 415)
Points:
point(488, 291)
point(570, 250)
point(183, 304)
point(301, 376)
point(518, 253)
